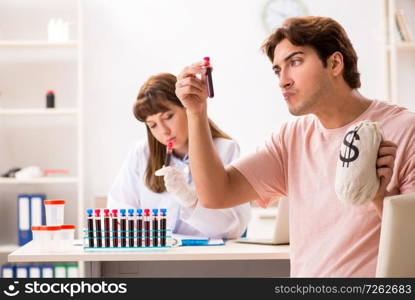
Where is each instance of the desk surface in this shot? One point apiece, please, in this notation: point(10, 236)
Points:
point(231, 251)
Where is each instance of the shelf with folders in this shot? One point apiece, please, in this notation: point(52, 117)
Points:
point(126, 230)
point(36, 44)
point(38, 112)
point(43, 180)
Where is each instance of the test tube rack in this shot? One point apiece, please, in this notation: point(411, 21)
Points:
point(122, 229)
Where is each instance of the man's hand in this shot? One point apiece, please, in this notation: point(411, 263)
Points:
point(384, 168)
point(191, 90)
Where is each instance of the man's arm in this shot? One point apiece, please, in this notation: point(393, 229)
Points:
point(216, 186)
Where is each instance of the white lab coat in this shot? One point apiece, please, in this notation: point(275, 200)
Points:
point(129, 191)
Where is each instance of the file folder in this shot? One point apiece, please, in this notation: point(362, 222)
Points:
point(47, 271)
point(8, 271)
point(60, 271)
point(35, 271)
point(22, 272)
point(72, 271)
point(37, 210)
point(23, 219)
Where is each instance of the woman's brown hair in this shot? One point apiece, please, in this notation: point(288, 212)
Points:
point(151, 100)
point(325, 35)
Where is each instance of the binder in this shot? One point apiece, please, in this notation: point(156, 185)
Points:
point(37, 210)
point(72, 271)
point(47, 271)
point(60, 271)
point(8, 271)
point(35, 271)
point(23, 219)
point(22, 272)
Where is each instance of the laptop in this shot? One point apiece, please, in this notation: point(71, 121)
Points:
point(281, 228)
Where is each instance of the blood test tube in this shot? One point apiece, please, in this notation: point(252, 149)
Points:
point(155, 227)
point(114, 214)
point(107, 227)
point(139, 227)
point(209, 81)
point(147, 227)
point(163, 227)
point(123, 222)
point(169, 152)
point(90, 222)
point(131, 227)
point(98, 229)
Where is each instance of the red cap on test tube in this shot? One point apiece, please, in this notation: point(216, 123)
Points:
point(147, 212)
point(114, 212)
point(106, 212)
point(207, 61)
point(97, 212)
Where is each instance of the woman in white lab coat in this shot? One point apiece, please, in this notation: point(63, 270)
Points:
point(138, 186)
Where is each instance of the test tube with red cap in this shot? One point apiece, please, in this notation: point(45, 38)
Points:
point(98, 228)
point(123, 222)
point(131, 221)
point(107, 227)
point(169, 152)
point(114, 214)
point(90, 223)
point(209, 81)
point(163, 227)
point(139, 227)
point(147, 227)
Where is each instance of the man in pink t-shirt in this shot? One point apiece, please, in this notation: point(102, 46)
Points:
point(316, 66)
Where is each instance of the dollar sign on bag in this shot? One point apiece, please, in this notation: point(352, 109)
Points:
point(349, 148)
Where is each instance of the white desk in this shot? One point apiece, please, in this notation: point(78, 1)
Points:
point(253, 260)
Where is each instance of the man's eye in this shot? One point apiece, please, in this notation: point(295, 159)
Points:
point(295, 62)
point(277, 73)
point(169, 116)
point(152, 126)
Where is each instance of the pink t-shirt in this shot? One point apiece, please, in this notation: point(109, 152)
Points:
point(328, 238)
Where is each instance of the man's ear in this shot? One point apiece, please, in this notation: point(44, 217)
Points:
point(335, 63)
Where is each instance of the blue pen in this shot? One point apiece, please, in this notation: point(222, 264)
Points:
point(188, 242)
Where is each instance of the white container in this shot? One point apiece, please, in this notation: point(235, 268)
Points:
point(54, 212)
point(67, 236)
point(45, 238)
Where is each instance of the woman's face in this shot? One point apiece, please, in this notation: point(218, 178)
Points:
point(170, 125)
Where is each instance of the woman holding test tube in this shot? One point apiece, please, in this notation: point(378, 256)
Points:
point(156, 171)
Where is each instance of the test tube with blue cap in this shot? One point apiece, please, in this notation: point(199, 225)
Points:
point(163, 227)
point(90, 222)
point(131, 227)
point(139, 227)
point(155, 227)
point(123, 222)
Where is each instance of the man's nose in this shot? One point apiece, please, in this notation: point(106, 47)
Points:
point(285, 80)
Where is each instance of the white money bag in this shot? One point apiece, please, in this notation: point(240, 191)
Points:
point(356, 177)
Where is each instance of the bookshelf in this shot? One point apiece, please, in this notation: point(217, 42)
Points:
point(31, 134)
point(400, 53)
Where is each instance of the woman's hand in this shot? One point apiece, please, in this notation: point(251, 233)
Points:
point(176, 185)
point(191, 88)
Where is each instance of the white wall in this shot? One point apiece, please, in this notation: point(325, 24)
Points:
point(127, 41)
